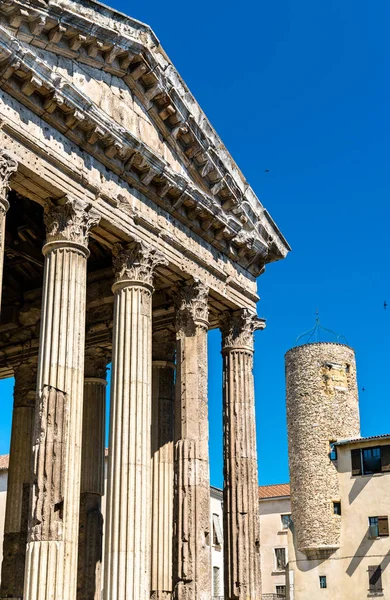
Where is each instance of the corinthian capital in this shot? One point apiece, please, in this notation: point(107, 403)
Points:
point(8, 166)
point(192, 308)
point(70, 221)
point(136, 262)
point(238, 328)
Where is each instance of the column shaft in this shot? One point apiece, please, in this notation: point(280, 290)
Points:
point(51, 559)
point(127, 550)
point(192, 554)
point(241, 504)
point(19, 481)
point(89, 579)
point(8, 166)
point(163, 392)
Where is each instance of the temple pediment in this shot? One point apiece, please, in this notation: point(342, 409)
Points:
point(102, 80)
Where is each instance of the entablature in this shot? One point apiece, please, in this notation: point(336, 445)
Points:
point(218, 203)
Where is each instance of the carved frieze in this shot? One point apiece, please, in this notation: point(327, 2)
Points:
point(163, 345)
point(191, 301)
point(238, 328)
point(70, 221)
point(8, 166)
point(96, 361)
point(136, 262)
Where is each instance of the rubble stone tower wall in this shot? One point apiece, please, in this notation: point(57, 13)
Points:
point(322, 406)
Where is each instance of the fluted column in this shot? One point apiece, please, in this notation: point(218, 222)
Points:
point(52, 547)
point(163, 395)
point(19, 481)
point(240, 496)
point(127, 548)
point(8, 166)
point(89, 578)
point(192, 554)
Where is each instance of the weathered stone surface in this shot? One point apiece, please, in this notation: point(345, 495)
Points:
point(19, 481)
point(52, 547)
point(106, 135)
point(127, 550)
point(322, 405)
point(242, 574)
point(191, 555)
point(163, 397)
point(90, 554)
point(8, 166)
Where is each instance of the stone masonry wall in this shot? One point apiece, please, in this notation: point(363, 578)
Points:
point(322, 406)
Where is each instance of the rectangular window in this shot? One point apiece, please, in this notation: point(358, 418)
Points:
point(367, 461)
point(286, 520)
point(280, 591)
point(323, 582)
point(375, 579)
point(216, 581)
point(371, 460)
point(280, 559)
point(337, 508)
point(217, 532)
point(378, 527)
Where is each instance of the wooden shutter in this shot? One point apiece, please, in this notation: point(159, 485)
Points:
point(375, 578)
point(383, 526)
point(356, 462)
point(385, 458)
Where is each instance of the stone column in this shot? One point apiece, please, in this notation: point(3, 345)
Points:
point(8, 166)
point(163, 396)
point(52, 545)
point(240, 496)
point(89, 578)
point(192, 553)
point(127, 548)
point(19, 481)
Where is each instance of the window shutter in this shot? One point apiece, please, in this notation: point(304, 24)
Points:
point(383, 526)
point(375, 578)
point(217, 530)
point(356, 462)
point(385, 459)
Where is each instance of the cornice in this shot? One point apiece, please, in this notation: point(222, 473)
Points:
point(220, 203)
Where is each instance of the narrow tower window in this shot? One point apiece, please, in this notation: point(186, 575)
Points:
point(323, 582)
point(337, 508)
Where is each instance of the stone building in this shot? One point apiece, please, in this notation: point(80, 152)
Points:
point(107, 159)
point(338, 543)
point(274, 510)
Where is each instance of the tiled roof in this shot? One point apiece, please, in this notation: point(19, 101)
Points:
point(4, 458)
point(274, 491)
point(384, 436)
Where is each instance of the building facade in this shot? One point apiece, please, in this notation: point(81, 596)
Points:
point(127, 231)
point(275, 514)
point(338, 542)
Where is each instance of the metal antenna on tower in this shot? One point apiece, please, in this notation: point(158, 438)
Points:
point(315, 332)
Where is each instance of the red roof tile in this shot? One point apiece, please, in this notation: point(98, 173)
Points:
point(4, 458)
point(274, 491)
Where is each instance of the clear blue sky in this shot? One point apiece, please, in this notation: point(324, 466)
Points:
point(300, 88)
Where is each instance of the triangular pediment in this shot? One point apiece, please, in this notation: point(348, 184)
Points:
point(103, 80)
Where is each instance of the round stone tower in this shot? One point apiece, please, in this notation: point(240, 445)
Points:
point(322, 406)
